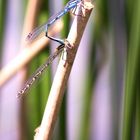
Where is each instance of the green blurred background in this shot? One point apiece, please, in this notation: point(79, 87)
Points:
point(102, 99)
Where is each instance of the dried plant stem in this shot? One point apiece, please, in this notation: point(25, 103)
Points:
point(26, 55)
point(30, 17)
point(62, 74)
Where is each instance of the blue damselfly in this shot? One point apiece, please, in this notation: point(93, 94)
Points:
point(44, 28)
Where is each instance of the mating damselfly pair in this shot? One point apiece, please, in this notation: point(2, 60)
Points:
point(71, 5)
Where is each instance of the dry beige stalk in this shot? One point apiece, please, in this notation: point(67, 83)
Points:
point(62, 74)
point(28, 51)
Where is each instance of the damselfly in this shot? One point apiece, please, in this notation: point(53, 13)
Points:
point(44, 28)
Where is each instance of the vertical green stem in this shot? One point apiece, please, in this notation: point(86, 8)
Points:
point(63, 116)
point(131, 74)
point(2, 21)
point(137, 119)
